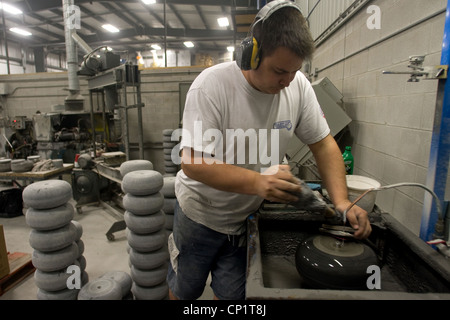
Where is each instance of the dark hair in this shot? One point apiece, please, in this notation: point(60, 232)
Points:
point(286, 27)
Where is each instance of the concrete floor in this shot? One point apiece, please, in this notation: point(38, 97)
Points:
point(101, 254)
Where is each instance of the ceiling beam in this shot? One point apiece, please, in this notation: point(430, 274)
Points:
point(37, 5)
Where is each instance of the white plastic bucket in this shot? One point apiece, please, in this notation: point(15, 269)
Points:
point(357, 185)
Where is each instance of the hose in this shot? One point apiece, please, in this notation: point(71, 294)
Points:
point(402, 184)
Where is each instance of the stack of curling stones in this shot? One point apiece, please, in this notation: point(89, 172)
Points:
point(170, 168)
point(146, 235)
point(168, 191)
point(113, 285)
point(55, 239)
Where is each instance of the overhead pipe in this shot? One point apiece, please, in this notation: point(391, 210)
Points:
point(6, 43)
point(81, 43)
point(71, 53)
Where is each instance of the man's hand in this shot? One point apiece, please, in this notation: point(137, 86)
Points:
point(276, 184)
point(358, 219)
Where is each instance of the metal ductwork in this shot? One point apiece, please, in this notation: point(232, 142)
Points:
point(74, 101)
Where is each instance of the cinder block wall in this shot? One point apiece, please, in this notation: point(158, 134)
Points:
point(29, 93)
point(392, 122)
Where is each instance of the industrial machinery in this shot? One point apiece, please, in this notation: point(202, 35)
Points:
point(20, 143)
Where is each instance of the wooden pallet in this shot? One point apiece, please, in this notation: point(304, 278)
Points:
point(20, 266)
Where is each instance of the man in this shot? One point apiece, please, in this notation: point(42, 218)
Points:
point(217, 188)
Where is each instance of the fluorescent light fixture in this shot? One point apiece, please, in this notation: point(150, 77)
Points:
point(230, 49)
point(110, 28)
point(223, 22)
point(188, 44)
point(149, 1)
point(10, 9)
point(156, 47)
point(20, 31)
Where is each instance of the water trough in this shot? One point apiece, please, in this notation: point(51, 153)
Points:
point(410, 268)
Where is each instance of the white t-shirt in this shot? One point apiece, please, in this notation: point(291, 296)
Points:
point(225, 116)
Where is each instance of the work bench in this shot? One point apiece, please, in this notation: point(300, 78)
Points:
point(35, 176)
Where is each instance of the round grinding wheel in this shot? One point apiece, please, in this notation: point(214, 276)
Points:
point(325, 262)
point(142, 182)
point(49, 219)
point(122, 278)
point(101, 289)
point(47, 194)
point(145, 224)
point(143, 205)
point(133, 165)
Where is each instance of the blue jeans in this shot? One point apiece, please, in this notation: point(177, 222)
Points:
point(203, 251)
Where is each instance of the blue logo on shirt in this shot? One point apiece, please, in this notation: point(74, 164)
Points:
point(283, 124)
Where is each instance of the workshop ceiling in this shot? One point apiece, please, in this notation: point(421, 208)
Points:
point(166, 22)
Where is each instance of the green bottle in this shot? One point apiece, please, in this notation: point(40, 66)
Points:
point(348, 160)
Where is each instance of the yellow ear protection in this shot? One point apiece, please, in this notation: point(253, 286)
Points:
point(248, 53)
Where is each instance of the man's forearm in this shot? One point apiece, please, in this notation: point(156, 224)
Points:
point(332, 171)
point(276, 184)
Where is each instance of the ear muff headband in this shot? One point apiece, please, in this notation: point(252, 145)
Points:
point(247, 54)
point(254, 62)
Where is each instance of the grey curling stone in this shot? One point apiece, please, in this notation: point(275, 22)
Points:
point(65, 294)
point(53, 240)
point(158, 292)
point(5, 165)
point(142, 182)
point(122, 278)
point(146, 242)
point(49, 219)
point(79, 229)
point(21, 165)
point(150, 277)
point(169, 222)
point(133, 165)
point(146, 223)
point(149, 260)
point(143, 205)
point(171, 169)
point(167, 132)
point(168, 189)
point(169, 205)
point(80, 245)
point(101, 289)
point(55, 260)
point(47, 194)
point(82, 261)
point(52, 281)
